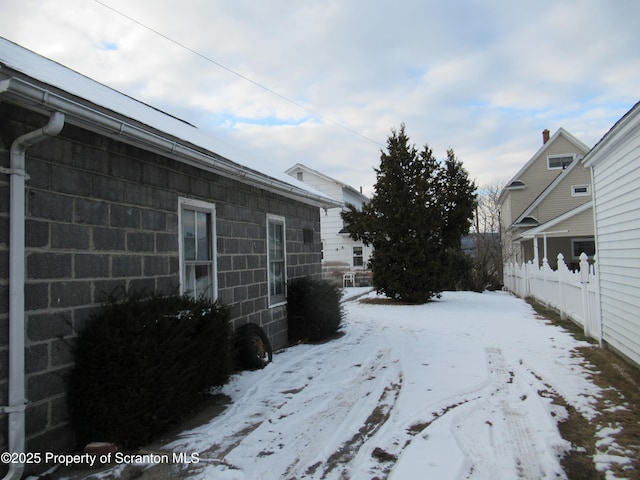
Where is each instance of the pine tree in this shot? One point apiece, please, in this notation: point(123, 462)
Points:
point(458, 201)
point(419, 207)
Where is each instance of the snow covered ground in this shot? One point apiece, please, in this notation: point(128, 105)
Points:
point(460, 388)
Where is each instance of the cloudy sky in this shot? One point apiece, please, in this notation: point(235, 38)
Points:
point(323, 82)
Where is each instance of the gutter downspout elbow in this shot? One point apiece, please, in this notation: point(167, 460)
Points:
point(17, 400)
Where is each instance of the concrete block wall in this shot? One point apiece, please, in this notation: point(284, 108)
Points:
point(103, 216)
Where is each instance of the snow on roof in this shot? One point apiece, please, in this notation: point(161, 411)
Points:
point(353, 190)
point(60, 77)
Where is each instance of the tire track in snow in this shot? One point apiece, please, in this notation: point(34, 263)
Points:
point(507, 425)
point(378, 417)
point(311, 420)
point(492, 428)
point(342, 418)
point(518, 442)
point(276, 385)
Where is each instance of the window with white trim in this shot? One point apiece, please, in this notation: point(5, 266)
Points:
point(276, 253)
point(559, 162)
point(580, 190)
point(586, 245)
point(197, 249)
point(358, 257)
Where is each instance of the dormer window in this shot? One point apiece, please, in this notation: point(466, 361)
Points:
point(559, 162)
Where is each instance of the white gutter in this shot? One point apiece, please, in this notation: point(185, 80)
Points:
point(17, 173)
point(125, 130)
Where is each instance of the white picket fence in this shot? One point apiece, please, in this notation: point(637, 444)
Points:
point(574, 294)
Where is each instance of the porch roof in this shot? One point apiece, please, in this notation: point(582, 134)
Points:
point(550, 228)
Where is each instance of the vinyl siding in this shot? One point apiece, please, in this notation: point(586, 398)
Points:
point(617, 178)
point(538, 177)
point(337, 248)
point(579, 226)
point(331, 189)
point(560, 199)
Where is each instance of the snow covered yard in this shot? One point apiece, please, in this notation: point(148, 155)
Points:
point(462, 387)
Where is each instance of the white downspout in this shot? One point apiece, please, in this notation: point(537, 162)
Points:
point(596, 238)
point(17, 400)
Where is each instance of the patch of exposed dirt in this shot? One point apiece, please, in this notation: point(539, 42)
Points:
point(618, 408)
point(386, 301)
point(374, 421)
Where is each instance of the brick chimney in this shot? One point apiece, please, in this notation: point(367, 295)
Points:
point(545, 136)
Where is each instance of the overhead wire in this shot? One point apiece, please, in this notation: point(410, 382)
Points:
point(238, 74)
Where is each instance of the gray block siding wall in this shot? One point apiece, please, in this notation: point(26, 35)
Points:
point(102, 215)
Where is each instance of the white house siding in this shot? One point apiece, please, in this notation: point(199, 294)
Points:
point(337, 247)
point(616, 174)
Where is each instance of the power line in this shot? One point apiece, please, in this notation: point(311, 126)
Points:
point(244, 77)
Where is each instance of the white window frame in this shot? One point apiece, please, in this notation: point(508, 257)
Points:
point(586, 193)
point(354, 256)
point(278, 298)
point(560, 167)
point(208, 208)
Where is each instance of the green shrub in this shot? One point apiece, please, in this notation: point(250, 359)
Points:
point(142, 364)
point(458, 271)
point(313, 309)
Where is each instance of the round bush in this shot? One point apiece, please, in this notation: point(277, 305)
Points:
point(142, 364)
point(313, 309)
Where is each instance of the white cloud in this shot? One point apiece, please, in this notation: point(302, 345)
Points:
point(484, 78)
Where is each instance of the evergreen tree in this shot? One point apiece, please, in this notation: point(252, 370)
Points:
point(420, 208)
point(458, 200)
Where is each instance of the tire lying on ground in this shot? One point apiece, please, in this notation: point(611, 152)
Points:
point(253, 349)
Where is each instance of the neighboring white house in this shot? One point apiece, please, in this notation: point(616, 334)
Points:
point(615, 167)
point(340, 253)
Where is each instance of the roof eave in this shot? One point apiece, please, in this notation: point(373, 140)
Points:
point(86, 115)
point(342, 185)
point(618, 133)
point(545, 146)
point(540, 229)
